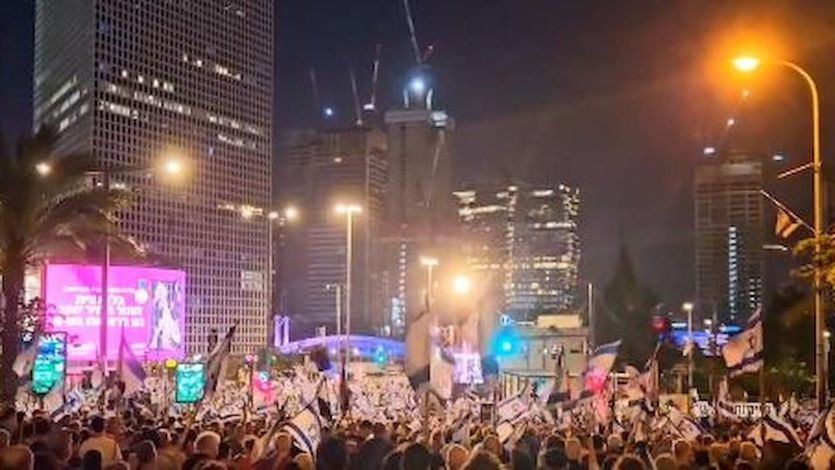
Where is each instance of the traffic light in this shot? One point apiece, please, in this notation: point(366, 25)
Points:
point(381, 357)
point(660, 324)
point(506, 343)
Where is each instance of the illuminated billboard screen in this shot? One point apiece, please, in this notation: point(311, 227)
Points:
point(50, 362)
point(467, 369)
point(147, 304)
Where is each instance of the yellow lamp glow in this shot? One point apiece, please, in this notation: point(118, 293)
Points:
point(746, 63)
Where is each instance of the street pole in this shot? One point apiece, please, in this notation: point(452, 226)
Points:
point(748, 64)
point(349, 260)
point(105, 285)
point(817, 170)
point(338, 303)
point(591, 313)
point(429, 299)
point(691, 345)
point(270, 286)
point(429, 266)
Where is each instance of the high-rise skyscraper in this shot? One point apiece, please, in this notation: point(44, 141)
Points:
point(325, 168)
point(421, 210)
point(523, 240)
point(133, 81)
point(729, 235)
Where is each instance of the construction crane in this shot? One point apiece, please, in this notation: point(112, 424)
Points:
point(371, 106)
point(355, 92)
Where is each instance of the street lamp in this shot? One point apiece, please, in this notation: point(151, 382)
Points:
point(462, 285)
point(43, 168)
point(746, 63)
point(349, 211)
point(688, 307)
point(337, 288)
point(430, 264)
point(749, 64)
point(291, 213)
point(105, 173)
point(272, 217)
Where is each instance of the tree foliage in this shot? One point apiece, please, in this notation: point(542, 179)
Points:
point(44, 213)
point(626, 313)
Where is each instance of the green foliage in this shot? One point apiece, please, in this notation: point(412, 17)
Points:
point(805, 249)
point(43, 214)
point(788, 326)
point(627, 311)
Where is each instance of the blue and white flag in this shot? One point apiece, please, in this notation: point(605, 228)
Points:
point(821, 443)
point(724, 408)
point(59, 406)
point(217, 362)
point(603, 358)
point(306, 429)
point(683, 426)
point(129, 369)
point(744, 352)
point(774, 428)
point(514, 408)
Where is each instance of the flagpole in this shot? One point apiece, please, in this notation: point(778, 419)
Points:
point(762, 382)
point(762, 403)
point(591, 314)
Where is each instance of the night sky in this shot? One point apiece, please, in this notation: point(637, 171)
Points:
point(617, 97)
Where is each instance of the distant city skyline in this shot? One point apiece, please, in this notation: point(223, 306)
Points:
point(524, 240)
point(547, 90)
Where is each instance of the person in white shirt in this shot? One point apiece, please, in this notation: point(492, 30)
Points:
point(102, 442)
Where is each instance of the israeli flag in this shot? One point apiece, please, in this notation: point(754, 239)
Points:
point(512, 409)
point(744, 352)
point(306, 430)
point(821, 444)
point(217, 362)
point(683, 426)
point(130, 370)
point(774, 428)
point(603, 358)
point(723, 404)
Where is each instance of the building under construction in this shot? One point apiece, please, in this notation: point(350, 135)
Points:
point(399, 169)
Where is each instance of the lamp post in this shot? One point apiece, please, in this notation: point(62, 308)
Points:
point(170, 167)
point(749, 64)
point(338, 302)
point(430, 264)
point(289, 214)
point(688, 307)
point(349, 211)
point(272, 217)
point(827, 347)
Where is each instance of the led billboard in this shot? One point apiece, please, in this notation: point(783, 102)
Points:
point(147, 304)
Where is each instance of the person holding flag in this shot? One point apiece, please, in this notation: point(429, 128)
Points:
point(128, 369)
point(217, 362)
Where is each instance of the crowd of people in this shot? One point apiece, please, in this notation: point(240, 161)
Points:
point(385, 429)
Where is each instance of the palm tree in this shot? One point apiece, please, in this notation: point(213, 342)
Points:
point(47, 208)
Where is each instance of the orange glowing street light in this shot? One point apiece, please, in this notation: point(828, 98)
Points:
point(746, 63)
point(462, 285)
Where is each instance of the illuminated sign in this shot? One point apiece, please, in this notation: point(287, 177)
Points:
point(147, 304)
